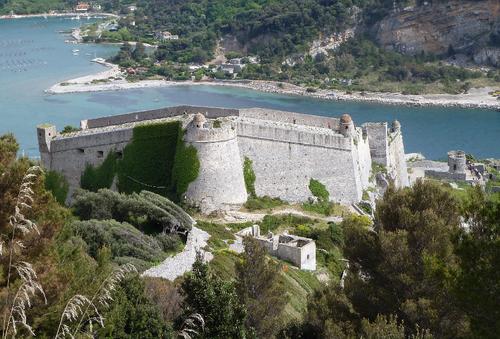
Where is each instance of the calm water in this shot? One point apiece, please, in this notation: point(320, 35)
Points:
point(33, 56)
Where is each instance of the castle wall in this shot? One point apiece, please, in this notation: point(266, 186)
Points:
point(220, 184)
point(304, 257)
point(363, 157)
point(445, 175)
point(209, 112)
point(397, 163)
point(308, 256)
point(290, 117)
point(287, 150)
point(285, 159)
point(377, 137)
point(72, 162)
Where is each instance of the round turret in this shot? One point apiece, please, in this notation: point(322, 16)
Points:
point(220, 184)
point(396, 126)
point(346, 125)
point(457, 161)
point(199, 120)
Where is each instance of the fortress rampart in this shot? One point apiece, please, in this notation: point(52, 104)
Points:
point(287, 150)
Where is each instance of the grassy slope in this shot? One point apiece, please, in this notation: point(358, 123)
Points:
point(297, 284)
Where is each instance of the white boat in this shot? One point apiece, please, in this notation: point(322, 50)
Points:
point(75, 51)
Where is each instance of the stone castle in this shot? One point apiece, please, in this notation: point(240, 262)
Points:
point(287, 150)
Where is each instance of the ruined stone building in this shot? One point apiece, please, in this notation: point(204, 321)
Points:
point(287, 150)
point(299, 251)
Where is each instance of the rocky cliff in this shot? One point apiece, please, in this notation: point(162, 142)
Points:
point(465, 25)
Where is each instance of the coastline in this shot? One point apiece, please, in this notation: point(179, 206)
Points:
point(475, 98)
point(56, 15)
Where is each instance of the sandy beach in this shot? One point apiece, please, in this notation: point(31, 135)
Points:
point(113, 80)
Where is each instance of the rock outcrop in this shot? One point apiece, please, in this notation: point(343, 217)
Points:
point(465, 25)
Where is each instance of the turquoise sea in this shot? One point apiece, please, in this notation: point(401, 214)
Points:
point(34, 56)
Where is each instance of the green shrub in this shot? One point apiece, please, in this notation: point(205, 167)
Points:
point(318, 207)
point(146, 211)
point(319, 190)
point(123, 239)
point(169, 242)
point(271, 223)
point(219, 234)
point(57, 184)
point(69, 129)
point(261, 203)
point(249, 176)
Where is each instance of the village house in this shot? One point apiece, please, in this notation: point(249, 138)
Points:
point(165, 35)
point(82, 7)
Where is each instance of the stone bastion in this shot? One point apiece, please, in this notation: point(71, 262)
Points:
point(286, 150)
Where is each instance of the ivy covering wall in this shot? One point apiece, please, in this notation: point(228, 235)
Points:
point(186, 167)
point(149, 159)
point(156, 159)
point(95, 178)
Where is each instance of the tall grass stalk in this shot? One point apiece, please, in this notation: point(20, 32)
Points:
point(15, 307)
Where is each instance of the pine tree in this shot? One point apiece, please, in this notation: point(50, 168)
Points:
point(258, 285)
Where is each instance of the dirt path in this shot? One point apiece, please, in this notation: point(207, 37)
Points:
point(176, 266)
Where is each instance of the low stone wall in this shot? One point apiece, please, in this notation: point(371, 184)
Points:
point(445, 175)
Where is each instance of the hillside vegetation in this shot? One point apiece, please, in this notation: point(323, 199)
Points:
point(414, 271)
point(281, 34)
